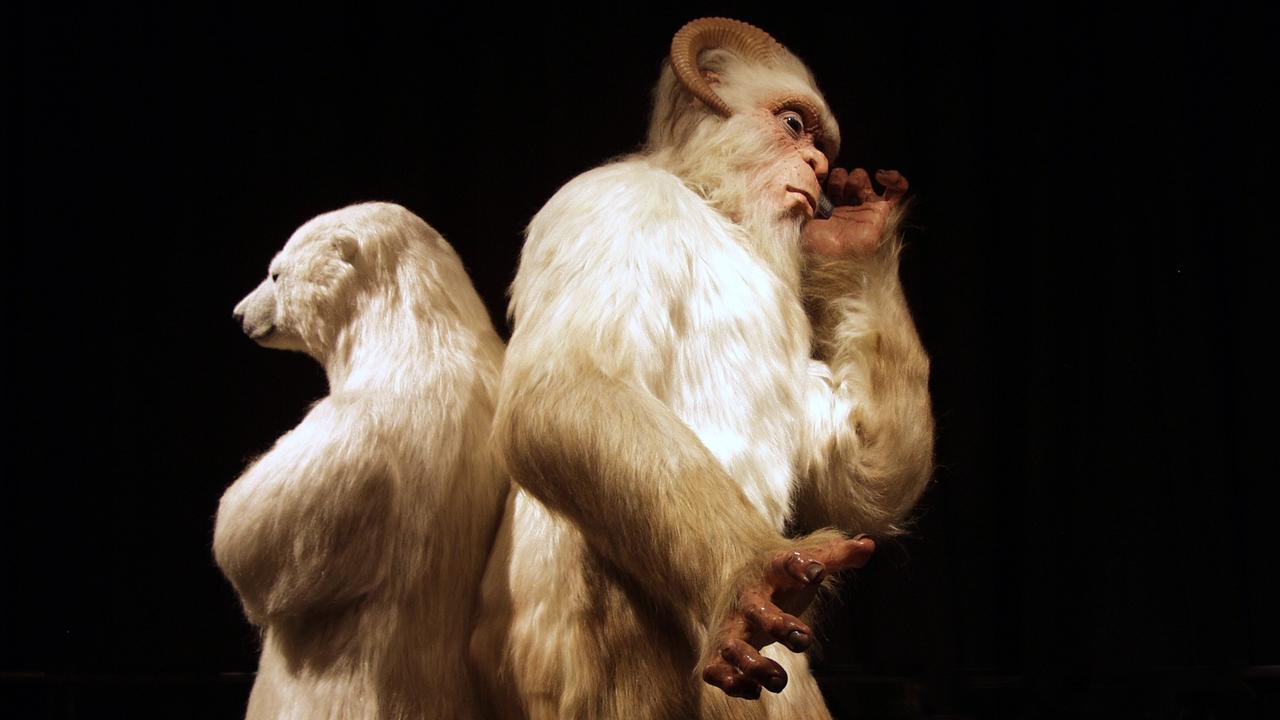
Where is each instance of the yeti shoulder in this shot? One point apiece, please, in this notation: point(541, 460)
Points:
point(624, 200)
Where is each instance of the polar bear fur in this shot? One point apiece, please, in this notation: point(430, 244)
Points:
point(357, 543)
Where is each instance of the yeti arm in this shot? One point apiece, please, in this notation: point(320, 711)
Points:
point(868, 400)
point(579, 423)
point(306, 526)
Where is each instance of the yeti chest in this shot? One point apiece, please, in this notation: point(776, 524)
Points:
point(738, 374)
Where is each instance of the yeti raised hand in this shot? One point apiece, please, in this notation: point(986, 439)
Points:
point(861, 217)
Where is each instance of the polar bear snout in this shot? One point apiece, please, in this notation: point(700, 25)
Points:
point(256, 312)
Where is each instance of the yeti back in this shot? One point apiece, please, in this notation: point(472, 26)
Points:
point(357, 542)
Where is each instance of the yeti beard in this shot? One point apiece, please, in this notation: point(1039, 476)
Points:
point(729, 164)
point(769, 233)
point(774, 237)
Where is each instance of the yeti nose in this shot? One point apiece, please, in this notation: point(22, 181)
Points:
point(238, 315)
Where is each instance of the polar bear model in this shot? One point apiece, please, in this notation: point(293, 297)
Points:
point(357, 543)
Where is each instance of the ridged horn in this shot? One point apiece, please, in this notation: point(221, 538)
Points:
point(702, 34)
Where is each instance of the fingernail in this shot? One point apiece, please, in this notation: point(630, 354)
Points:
point(776, 684)
point(797, 641)
point(813, 571)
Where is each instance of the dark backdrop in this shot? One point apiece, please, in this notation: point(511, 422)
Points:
point(1085, 265)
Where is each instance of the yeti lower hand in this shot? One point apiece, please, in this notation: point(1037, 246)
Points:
point(766, 613)
point(856, 227)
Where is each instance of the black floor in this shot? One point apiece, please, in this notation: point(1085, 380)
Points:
point(1187, 694)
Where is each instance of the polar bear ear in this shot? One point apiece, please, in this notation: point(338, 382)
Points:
point(346, 246)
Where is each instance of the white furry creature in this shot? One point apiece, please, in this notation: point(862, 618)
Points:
point(699, 366)
point(357, 543)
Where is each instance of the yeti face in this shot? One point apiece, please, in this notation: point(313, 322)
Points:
point(308, 293)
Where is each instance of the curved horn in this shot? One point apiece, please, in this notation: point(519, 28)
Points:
point(698, 35)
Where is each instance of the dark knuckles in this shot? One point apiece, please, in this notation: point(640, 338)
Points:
point(731, 681)
point(803, 569)
point(755, 666)
point(793, 563)
point(718, 674)
point(782, 627)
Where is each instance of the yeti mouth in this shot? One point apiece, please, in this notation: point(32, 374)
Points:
point(813, 204)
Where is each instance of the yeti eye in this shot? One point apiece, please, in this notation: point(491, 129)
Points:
point(275, 276)
point(795, 125)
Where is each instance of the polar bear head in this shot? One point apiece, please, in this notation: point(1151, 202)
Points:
point(360, 261)
point(307, 290)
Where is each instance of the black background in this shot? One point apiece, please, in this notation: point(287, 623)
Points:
point(1085, 265)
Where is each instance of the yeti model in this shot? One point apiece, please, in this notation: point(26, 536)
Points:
point(707, 387)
